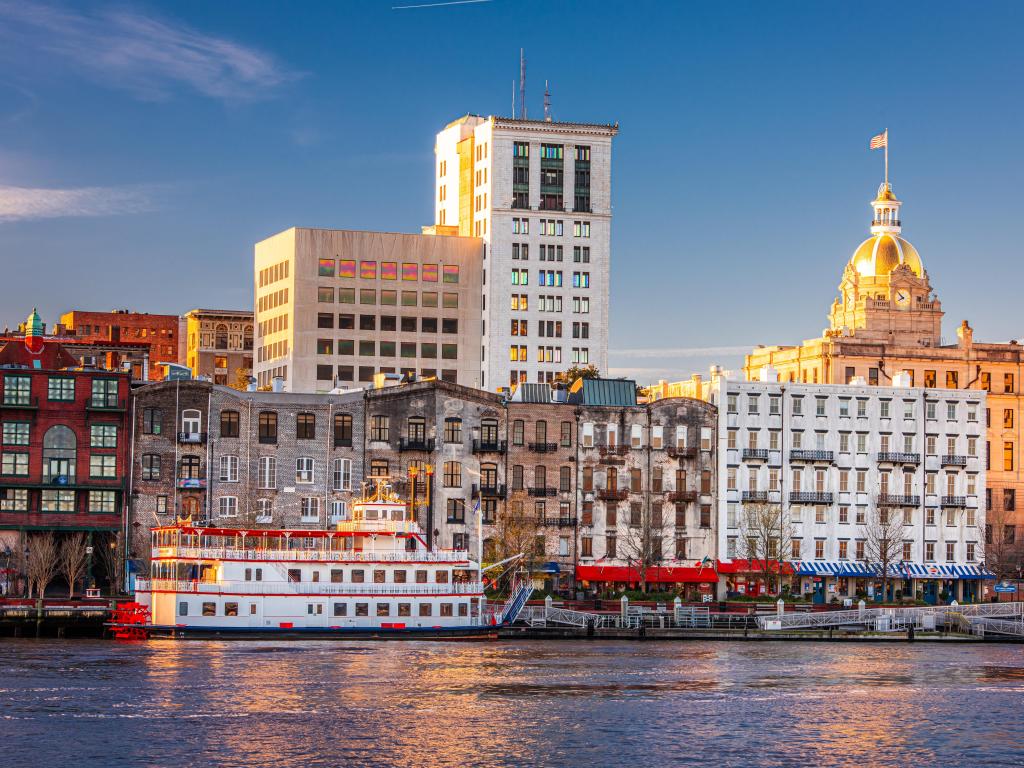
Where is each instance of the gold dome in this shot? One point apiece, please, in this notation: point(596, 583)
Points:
point(882, 253)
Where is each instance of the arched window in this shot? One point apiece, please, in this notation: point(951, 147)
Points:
point(59, 455)
point(488, 476)
point(247, 339)
point(191, 421)
point(489, 432)
point(221, 337)
point(540, 476)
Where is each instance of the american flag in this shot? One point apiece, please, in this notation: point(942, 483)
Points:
point(881, 140)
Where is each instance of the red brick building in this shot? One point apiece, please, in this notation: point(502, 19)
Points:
point(64, 443)
point(158, 332)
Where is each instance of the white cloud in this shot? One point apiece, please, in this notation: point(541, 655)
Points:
point(26, 203)
point(143, 54)
point(677, 352)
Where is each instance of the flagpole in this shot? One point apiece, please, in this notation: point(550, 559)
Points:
point(887, 158)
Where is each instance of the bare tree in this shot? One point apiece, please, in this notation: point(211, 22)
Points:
point(1002, 550)
point(110, 556)
point(73, 559)
point(766, 536)
point(43, 561)
point(643, 543)
point(883, 541)
point(141, 551)
point(514, 533)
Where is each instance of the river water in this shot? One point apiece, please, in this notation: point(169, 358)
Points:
point(291, 704)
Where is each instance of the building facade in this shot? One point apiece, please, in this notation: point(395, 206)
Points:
point(64, 452)
point(336, 307)
point(159, 334)
point(838, 461)
point(219, 345)
point(538, 193)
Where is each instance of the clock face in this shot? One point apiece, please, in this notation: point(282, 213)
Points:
point(902, 297)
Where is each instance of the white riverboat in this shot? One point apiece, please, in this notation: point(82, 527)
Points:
point(373, 575)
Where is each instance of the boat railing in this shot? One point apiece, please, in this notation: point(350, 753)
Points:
point(306, 555)
point(306, 588)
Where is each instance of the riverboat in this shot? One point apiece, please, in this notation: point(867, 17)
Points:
point(371, 576)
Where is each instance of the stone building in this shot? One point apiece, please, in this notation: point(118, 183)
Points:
point(218, 344)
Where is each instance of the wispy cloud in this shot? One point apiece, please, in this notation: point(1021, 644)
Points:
point(678, 352)
point(26, 203)
point(143, 54)
point(439, 4)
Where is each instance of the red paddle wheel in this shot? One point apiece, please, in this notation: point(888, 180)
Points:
point(130, 621)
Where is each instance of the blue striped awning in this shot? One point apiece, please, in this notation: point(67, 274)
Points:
point(851, 568)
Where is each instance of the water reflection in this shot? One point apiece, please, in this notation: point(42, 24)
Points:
point(592, 704)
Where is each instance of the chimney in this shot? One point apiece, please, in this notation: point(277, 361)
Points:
point(965, 334)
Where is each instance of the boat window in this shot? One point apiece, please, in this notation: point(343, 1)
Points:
point(230, 609)
point(337, 577)
point(341, 609)
point(398, 515)
point(378, 576)
point(362, 609)
point(183, 608)
point(252, 609)
point(421, 577)
point(357, 577)
point(316, 575)
point(294, 575)
point(399, 577)
point(371, 514)
point(209, 609)
point(425, 609)
point(405, 609)
point(383, 609)
point(248, 574)
point(463, 609)
point(441, 577)
point(410, 544)
point(446, 609)
point(259, 574)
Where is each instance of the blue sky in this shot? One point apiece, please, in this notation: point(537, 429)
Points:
point(145, 148)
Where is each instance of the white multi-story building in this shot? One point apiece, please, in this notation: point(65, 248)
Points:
point(834, 458)
point(539, 194)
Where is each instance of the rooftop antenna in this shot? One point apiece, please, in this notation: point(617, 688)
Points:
point(547, 103)
point(513, 99)
point(522, 84)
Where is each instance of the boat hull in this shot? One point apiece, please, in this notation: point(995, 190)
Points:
point(317, 633)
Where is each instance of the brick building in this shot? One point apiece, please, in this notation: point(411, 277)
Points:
point(218, 344)
point(63, 458)
point(156, 335)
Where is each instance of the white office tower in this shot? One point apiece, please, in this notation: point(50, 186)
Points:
point(539, 194)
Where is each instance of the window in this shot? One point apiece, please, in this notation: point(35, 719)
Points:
point(228, 506)
point(17, 390)
point(61, 388)
point(104, 393)
point(152, 421)
point(304, 469)
point(342, 430)
point(150, 466)
point(267, 426)
point(15, 433)
point(229, 423)
point(1008, 456)
point(452, 474)
point(310, 508)
point(517, 432)
point(229, 469)
point(267, 473)
point(102, 466)
point(305, 426)
point(379, 428)
point(453, 430)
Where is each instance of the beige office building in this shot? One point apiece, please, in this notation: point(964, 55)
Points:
point(335, 307)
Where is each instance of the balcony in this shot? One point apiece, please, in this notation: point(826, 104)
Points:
point(682, 497)
point(192, 438)
point(890, 223)
point(20, 404)
point(496, 490)
point(954, 501)
point(106, 405)
point(894, 457)
point(755, 454)
point(191, 483)
point(612, 494)
point(541, 490)
point(813, 456)
point(490, 446)
point(415, 444)
point(898, 500)
point(542, 447)
point(755, 497)
point(810, 497)
point(561, 522)
point(951, 460)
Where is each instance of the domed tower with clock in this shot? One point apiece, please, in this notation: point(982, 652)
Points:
point(885, 294)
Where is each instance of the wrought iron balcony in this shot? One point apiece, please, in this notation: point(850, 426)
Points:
point(612, 494)
point(811, 455)
point(755, 454)
point(810, 497)
point(954, 460)
point(896, 457)
point(898, 500)
point(755, 497)
point(954, 501)
point(541, 490)
point(490, 446)
point(416, 444)
point(543, 447)
point(496, 490)
point(681, 453)
point(561, 522)
point(192, 438)
point(681, 497)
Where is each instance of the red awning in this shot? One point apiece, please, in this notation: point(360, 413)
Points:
point(659, 575)
point(756, 566)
